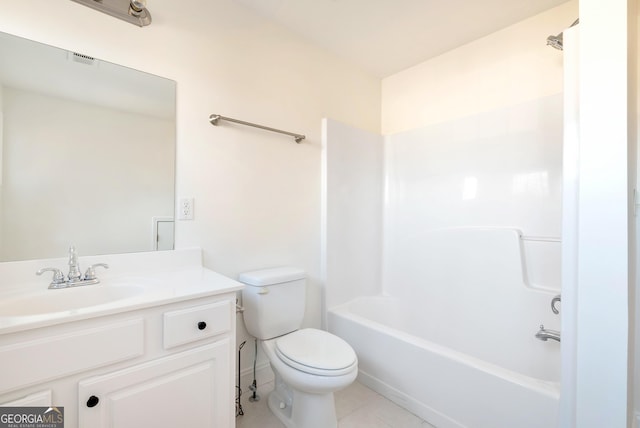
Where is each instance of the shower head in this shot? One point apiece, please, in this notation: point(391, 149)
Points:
point(556, 41)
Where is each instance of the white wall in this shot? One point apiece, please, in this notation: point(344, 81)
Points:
point(257, 195)
point(603, 259)
point(571, 161)
point(507, 67)
point(90, 197)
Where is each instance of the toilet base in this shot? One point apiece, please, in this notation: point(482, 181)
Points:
point(296, 409)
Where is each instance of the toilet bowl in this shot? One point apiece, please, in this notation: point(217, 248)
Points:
point(309, 364)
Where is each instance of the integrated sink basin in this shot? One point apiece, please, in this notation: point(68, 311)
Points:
point(133, 282)
point(68, 299)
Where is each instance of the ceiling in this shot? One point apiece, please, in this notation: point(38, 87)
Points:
point(384, 37)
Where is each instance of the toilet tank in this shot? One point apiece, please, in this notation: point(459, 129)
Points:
point(274, 301)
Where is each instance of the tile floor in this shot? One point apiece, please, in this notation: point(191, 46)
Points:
point(357, 407)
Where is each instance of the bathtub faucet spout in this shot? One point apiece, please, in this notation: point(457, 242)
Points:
point(544, 334)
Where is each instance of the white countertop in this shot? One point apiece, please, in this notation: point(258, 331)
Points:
point(156, 278)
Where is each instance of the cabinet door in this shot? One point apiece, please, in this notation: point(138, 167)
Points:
point(190, 389)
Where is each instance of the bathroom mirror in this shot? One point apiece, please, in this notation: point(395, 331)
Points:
point(87, 153)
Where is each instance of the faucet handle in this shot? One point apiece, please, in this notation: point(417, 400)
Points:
point(555, 300)
point(58, 276)
point(91, 273)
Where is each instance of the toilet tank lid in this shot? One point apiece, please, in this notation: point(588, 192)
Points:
point(260, 278)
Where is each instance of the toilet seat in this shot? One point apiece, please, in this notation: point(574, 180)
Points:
point(316, 352)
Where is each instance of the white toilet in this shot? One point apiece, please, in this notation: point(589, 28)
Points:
point(309, 364)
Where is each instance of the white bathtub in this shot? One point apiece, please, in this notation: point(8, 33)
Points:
point(474, 387)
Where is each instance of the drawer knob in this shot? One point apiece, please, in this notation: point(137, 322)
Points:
point(202, 325)
point(93, 401)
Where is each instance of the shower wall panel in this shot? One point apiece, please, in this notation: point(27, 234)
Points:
point(352, 198)
point(501, 168)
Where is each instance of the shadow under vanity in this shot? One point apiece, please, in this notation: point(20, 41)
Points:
point(151, 344)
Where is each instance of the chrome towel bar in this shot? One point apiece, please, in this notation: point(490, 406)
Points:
point(215, 118)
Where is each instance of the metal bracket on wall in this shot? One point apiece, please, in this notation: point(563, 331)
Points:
point(132, 11)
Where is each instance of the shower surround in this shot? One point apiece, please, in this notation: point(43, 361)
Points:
point(461, 246)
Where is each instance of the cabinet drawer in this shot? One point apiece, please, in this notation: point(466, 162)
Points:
point(36, 361)
point(196, 323)
point(37, 399)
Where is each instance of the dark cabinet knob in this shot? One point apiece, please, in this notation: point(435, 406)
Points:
point(202, 325)
point(93, 401)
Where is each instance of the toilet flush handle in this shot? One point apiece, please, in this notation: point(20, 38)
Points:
point(264, 290)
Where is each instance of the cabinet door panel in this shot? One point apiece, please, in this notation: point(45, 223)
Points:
point(189, 389)
point(182, 398)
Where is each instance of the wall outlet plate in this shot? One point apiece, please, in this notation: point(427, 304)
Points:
point(185, 209)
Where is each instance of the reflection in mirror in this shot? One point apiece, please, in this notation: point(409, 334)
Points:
point(88, 154)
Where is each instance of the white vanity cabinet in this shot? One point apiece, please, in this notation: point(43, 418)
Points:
point(190, 388)
point(169, 365)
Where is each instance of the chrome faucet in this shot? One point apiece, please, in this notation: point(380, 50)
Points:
point(544, 334)
point(75, 277)
point(74, 267)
